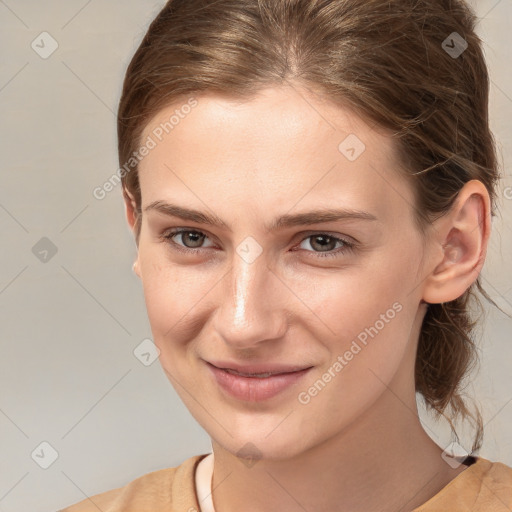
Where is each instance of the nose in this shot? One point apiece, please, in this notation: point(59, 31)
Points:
point(251, 305)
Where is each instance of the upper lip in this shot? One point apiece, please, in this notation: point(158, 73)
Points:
point(258, 368)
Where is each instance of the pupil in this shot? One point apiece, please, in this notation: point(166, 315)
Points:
point(194, 234)
point(197, 238)
point(320, 237)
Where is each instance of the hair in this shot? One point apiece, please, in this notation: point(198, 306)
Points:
point(383, 59)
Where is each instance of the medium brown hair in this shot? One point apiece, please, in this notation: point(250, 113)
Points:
point(387, 61)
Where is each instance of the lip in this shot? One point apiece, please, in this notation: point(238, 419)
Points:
point(258, 368)
point(255, 389)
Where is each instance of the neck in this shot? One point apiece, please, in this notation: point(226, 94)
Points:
point(384, 461)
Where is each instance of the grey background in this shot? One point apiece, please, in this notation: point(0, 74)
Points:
point(69, 326)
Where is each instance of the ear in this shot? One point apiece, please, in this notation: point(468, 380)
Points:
point(130, 208)
point(459, 245)
point(131, 217)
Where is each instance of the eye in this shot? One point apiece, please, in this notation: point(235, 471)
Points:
point(326, 243)
point(191, 239)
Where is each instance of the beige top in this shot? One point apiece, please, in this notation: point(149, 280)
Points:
point(484, 486)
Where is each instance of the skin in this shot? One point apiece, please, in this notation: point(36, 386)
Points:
point(247, 163)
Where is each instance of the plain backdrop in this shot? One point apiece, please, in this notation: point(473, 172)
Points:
point(72, 311)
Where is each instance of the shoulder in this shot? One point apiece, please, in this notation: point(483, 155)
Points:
point(496, 484)
point(160, 488)
point(492, 479)
point(485, 486)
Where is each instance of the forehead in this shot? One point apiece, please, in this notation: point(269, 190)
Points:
point(284, 144)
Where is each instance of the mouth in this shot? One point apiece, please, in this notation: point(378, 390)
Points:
point(258, 371)
point(254, 383)
point(255, 375)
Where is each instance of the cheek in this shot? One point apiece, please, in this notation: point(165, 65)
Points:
point(161, 287)
point(371, 331)
point(371, 346)
point(370, 313)
point(342, 304)
point(354, 298)
point(176, 300)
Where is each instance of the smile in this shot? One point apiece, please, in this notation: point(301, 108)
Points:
point(253, 387)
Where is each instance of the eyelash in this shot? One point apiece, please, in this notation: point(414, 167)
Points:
point(348, 246)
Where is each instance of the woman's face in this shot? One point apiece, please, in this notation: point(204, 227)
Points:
point(268, 281)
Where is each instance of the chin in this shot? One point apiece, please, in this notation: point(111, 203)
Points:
point(261, 446)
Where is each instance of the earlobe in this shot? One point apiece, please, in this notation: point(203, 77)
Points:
point(463, 235)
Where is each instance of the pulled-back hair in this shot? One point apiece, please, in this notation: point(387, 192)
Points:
point(395, 63)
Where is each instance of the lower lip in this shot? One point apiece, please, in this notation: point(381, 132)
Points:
point(254, 389)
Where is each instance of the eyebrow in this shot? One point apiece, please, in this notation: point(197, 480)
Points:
point(282, 222)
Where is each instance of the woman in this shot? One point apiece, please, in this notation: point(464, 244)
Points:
point(310, 184)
